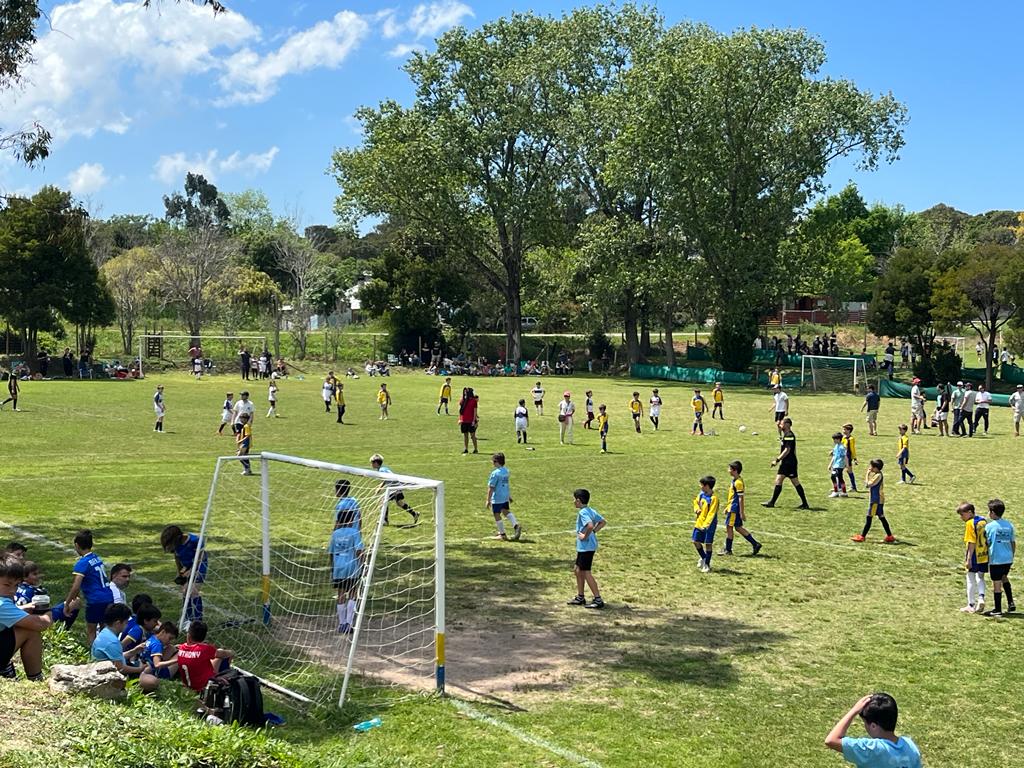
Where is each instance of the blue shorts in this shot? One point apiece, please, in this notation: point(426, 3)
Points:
point(94, 612)
point(876, 510)
point(706, 536)
point(501, 506)
point(732, 520)
point(904, 457)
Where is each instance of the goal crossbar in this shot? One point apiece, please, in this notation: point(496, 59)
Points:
point(394, 482)
point(809, 364)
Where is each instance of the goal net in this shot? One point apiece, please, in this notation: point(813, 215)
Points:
point(833, 374)
point(958, 343)
point(220, 354)
point(300, 612)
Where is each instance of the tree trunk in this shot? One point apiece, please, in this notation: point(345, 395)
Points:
point(732, 338)
point(645, 331)
point(513, 311)
point(31, 337)
point(670, 349)
point(629, 322)
point(988, 357)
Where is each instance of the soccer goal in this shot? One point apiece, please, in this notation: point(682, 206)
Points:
point(270, 594)
point(833, 374)
point(170, 350)
point(958, 343)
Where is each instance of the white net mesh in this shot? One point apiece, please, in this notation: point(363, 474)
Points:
point(833, 374)
point(276, 605)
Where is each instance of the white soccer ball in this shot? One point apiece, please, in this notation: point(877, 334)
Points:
point(743, 427)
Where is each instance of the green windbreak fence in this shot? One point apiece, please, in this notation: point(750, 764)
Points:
point(896, 389)
point(703, 375)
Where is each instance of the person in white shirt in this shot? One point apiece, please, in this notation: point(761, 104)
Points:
point(522, 421)
point(120, 577)
point(1017, 404)
point(243, 406)
point(917, 402)
point(566, 410)
point(981, 405)
point(159, 408)
point(327, 391)
point(654, 412)
point(226, 412)
point(967, 411)
point(781, 407)
point(272, 397)
point(538, 398)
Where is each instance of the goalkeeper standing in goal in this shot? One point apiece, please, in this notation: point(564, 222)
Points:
point(346, 553)
point(377, 464)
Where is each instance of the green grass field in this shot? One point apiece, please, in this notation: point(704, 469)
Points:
point(747, 666)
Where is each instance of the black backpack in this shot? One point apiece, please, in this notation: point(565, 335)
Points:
point(235, 697)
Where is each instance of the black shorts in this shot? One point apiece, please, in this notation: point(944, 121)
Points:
point(444, 401)
point(788, 469)
point(236, 427)
point(779, 416)
point(999, 571)
point(585, 560)
point(398, 497)
point(466, 428)
point(347, 585)
point(8, 645)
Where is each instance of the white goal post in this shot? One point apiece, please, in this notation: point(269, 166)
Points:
point(843, 374)
point(958, 343)
point(183, 342)
point(268, 589)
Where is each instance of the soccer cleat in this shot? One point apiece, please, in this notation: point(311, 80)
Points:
point(890, 539)
point(342, 629)
point(246, 474)
point(843, 494)
point(757, 548)
point(834, 495)
point(724, 552)
point(517, 531)
point(1011, 607)
point(804, 506)
point(901, 482)
point(500, 537)
point(858, 538)
point(981, 606)
point(993, 614)
point(968, 609)
point(597, 602)
point(767, 505)
point(578, 600)
point(912, 479)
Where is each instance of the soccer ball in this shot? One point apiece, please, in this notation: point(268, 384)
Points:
point(743, 427)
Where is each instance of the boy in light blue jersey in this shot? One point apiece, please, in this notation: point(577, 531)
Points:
point(1002, 546)
point(106, 646)
point(588, 523)
point(89, 579)
point(346, 553)
point(837, 466)
point(883, 748)
point(346, 503)
point(499, 498)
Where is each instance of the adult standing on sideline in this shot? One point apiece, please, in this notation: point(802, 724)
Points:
point(469, 417)
point(967, 411)
point(917, 402)
point(942, 409)
point(68, 362)
point(788, 467)
point(566, 412)
point(245, 361)
point(871, 402)
point(957, 402)
point(890, 359)
point(780, 406)
point(981, 404)
point(84, 368)
point(1017, 406)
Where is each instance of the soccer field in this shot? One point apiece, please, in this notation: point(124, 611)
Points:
point(749, 665)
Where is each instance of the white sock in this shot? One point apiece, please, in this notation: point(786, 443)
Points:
point(501, 527)
point(970, 589)
point(351, 616)
point(271, 411)
point(512, 519)
point(981, 586)
point(341, 613)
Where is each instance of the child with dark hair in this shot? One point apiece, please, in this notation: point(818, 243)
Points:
point(876, 501)
point(736, 512)
point(882, 748)
point(499, 498)
point(90, 581)
point(17, 549)
point(837, 465)
point(705, 507)
point(32, 585)
point(159, 657)
point(588, 523)
point(345, 551)
point(1002, 546)
point(106, 646)
point(20, 631)
point(345, 503)
point(185, 547)
point(199, 660)
point(140, 625)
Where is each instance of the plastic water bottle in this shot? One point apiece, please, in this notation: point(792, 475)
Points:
point(367, 725)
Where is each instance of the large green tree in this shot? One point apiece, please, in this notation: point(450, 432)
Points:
point(47, 273)
point(985, 290)
point(740, 130)
point(472, 165)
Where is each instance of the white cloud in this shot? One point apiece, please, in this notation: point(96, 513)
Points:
point(250, 78)
point(171, 169)
point(101, 54)
point(402, 50)
point(427, 20)
point(87, 178)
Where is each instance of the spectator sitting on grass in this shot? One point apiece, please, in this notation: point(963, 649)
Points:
point(882, 748)
point(19, 631)
point(106, 646)
point(199, 660)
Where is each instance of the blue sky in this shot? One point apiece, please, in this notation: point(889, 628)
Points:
point(260, 97)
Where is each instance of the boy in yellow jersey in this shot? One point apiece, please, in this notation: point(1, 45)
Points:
point(700, 406)
point(602, 426)
point(339, 400)
point(718, 398)
point(243, 441)
point(636, 408)
point(446, 396)
point(736, 513)
point(975, 557)
point(383, 400)
point(903, 456)
point(876, 504)
point(705, 508)
point(850, 444)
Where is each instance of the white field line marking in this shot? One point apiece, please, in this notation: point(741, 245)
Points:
point(527, 738)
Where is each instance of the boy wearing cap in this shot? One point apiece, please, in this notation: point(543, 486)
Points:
point(566, 409)
point(1017, 405)
point(700, 405)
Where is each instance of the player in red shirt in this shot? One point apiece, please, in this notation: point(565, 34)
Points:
point(198, 660)
point(468, 418)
